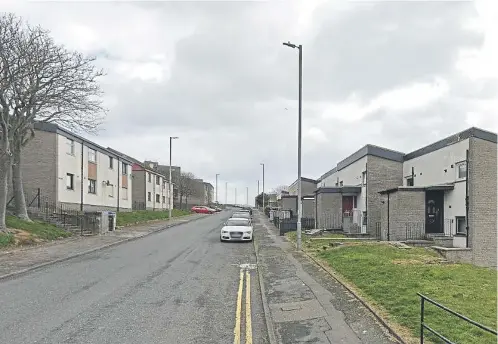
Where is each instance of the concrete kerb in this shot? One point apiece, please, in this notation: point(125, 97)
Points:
point(358, 297)
point(266, 308)
point(355, 295)
point(96, 249)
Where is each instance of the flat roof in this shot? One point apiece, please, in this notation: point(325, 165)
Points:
point(339, 189)
point(455, 138)
point(393, 155)
point(54, 128)
point(304, 179)
point(436, 187)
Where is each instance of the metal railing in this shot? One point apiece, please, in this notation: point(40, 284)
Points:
point(424, 326)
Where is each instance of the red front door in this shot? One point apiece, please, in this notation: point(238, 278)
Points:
point(347, 204)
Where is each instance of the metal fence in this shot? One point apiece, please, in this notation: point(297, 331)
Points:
point(417, 230)
point(331, 221)
point(424, 326)
point(68, 217)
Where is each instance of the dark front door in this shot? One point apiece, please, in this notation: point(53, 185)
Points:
point(434, 211)
point(347, 204)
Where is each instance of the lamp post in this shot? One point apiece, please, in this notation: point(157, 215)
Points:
point(235, 196)
point(226, 193)
point(300, 201)
point(217, 174)
point(247, 195)
point(170, 205)
point(262, 164)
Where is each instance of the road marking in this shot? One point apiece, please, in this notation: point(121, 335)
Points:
point(236, 330)
point(248, 309)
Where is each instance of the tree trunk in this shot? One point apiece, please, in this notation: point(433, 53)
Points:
point(21, 209)
point(186, 202)
point(4, 173)
point(181, 201)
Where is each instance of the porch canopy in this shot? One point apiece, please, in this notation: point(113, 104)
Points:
point(436, 187)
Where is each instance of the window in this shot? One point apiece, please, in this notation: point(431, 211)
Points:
point(92, 155)
point(461, 225)
point(462, 170)
point(149, 177)
point(158, 198)
point(409, 181)
point(364, 177)
point(70, 144)
point(164, 199)
point(124, 169)
point(158, 180)
point(70, 181)
point(111, 162)
point(111, 190)
point(364, 218)
point(149, 196)
point(92, 186)
point(124, 192)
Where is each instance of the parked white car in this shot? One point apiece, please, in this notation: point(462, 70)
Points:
point(237, 229)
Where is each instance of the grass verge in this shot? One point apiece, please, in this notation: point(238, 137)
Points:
point(390, 277)
point(28, 233)
point(140, 216)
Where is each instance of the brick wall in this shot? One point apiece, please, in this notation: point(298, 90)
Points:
point(39, 166)
point(382, 174)
point(329, 210)
point(483, 201)
point(405, 207)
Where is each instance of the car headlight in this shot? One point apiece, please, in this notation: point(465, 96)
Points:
point(224, 232)
point(248, 232)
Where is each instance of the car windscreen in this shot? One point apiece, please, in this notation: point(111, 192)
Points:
point(237, 222)
point(243, 215)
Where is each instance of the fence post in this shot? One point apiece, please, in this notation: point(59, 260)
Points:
point(38, 196)
point(421, 320)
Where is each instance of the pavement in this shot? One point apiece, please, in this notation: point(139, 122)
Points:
point(177, 285)
point(305, 304)
point(16, 260)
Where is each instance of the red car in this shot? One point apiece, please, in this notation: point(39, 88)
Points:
point(202, 210)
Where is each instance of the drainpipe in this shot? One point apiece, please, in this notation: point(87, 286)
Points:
point(82, 183)
point(467, 199)
point(388, 219)
point(413, 175)
point(366, 193)
point(119, 185)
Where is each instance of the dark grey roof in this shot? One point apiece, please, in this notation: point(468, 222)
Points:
point(401, 157)
point(304, 179)
point(54, 128)
point(339, 189)
point(362, 152)
point(463, 135)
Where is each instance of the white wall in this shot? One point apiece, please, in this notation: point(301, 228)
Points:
point(154, 189)
point(105, 196)
point(68, 163)
point(432, 167)
point(126, 200)
point(350, 176)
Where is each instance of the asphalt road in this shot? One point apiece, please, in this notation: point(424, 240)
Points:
point(177, 286)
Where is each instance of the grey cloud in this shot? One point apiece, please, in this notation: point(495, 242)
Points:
point(358, 53)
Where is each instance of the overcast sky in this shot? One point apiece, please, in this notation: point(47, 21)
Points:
point(395, 74)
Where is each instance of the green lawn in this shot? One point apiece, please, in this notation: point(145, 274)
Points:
point(25, 233)
point(390, 278)
point(138, 216)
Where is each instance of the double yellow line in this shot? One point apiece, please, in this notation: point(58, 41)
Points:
point(238, 313)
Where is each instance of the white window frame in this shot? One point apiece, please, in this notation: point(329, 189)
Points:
point(70, 143)
point(124, 168)
point(458, 166)
point(71, 179)
point(364, 178)
point(158, 198)
point(94, 192)
point(457, 220)
point(90, 151)
point(111, 163)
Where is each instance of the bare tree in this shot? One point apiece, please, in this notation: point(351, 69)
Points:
point(185, 186)
point(280, 188)
point(40, 81)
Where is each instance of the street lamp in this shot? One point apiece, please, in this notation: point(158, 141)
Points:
point(247, 195)
point(262, 164)
point(217, 174)
point(226, 193)
point(235, 196)
point(299, 203)
point(170, 206)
